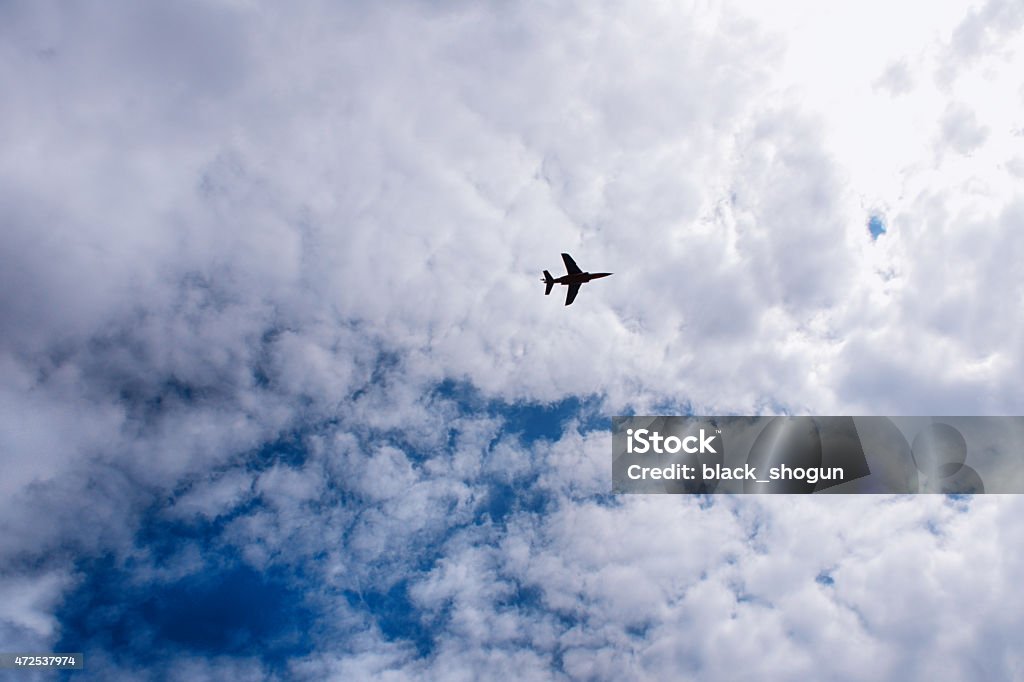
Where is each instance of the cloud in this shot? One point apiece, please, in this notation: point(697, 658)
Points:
point(896, 78)
point(28, 602)
point(982, 33)
point(272, 333)
point(961, 130)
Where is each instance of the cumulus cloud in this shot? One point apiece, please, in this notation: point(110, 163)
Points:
point(270, 314)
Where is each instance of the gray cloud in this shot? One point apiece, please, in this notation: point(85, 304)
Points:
point(896, 78)
point(961, 130)
point(984, 32)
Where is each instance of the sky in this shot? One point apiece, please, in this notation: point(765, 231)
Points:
point(281, 397)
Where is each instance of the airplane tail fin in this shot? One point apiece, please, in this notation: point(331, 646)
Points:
point(549, 281)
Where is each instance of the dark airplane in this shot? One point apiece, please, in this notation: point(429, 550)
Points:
point(573, 279)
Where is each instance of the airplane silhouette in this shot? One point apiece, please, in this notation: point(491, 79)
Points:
point(573, 279)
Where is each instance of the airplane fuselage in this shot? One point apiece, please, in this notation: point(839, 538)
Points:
point(580, 278)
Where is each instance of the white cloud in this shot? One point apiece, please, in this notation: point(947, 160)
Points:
point(28, 604)
point(308, 218)
point(211, 498)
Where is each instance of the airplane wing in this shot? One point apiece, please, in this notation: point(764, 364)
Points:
point(570, 265)
point(570, 295)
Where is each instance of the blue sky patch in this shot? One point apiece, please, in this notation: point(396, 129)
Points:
point(232, 610)
point(876, 226)
point(532, 421)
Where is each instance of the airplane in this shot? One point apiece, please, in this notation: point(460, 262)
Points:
point(573, 279)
